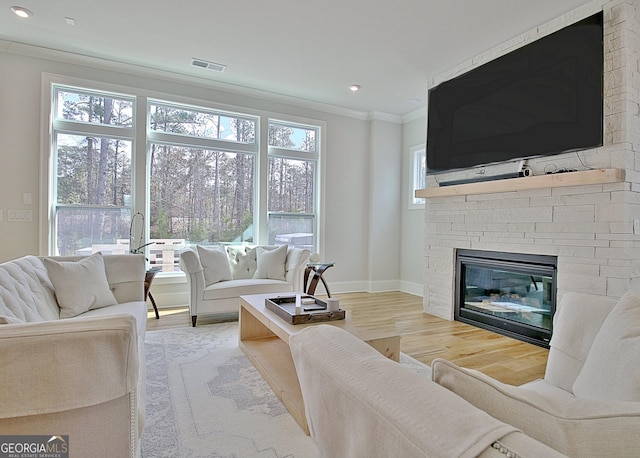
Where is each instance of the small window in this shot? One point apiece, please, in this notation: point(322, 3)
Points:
point(93, 107)
point(419, 175)
point(200, 122)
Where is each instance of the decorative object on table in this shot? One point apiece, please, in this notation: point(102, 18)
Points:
point(139, 243)
point(333, 304)
point(317, 269)
point(314, 312)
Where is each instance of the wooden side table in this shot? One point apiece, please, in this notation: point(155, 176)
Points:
point(317, 269)
point(148, 279)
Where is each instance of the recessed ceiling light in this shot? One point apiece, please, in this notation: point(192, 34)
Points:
point(21, 12)
point(70, 21)
point(354, 87)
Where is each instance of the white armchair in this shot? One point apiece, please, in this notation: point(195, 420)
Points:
point(588, 403)
point(217, 276)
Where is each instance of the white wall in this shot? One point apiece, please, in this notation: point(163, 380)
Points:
point(354, 146)
point(414, 133)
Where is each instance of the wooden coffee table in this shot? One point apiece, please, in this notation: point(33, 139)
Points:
point(264, 337)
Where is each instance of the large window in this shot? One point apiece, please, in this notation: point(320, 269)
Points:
point(293, 158)
point(92, 143)
point(196, 174)
point(202, 167)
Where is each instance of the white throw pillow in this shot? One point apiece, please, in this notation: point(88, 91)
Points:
point(80, 286)
point(243, 262)
point(611, 371)
point(215, 264)
point(271, 262)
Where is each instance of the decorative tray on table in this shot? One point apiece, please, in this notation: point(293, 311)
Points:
point(312, 310)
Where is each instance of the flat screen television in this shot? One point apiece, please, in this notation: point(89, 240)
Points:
point(541, 99)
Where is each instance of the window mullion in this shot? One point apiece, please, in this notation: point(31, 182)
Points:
point(292, 154)
point(99, 130)
point(201, 142)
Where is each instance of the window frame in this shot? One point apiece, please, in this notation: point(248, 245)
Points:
point(58, 126)
point(301, 155)
point(143, 137)
point(417, 161)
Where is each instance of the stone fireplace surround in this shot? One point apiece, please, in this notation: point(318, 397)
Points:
point(593, 226)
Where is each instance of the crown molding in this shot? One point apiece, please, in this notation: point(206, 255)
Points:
point(149, 72)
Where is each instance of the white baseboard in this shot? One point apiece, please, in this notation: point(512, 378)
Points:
point(172, 292)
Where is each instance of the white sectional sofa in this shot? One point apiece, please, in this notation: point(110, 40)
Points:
point(218, 275)
point(360, 404)
point(72, 351)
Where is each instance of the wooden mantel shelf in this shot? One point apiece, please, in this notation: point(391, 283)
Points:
point(554, 180)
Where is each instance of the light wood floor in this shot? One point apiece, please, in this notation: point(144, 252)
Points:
point(423, 336)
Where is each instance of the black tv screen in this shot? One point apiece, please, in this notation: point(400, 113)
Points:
point(542, 99)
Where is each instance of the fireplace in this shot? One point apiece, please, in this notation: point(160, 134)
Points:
point(513, 294)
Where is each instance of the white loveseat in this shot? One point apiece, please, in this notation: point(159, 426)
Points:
point(359, 403)
point(218, 275)
point(72, 351)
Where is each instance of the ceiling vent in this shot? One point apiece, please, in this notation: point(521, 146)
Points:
point(209, 65)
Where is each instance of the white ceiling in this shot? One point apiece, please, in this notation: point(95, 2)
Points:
point(305, 49)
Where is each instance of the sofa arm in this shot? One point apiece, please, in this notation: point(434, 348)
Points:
point(575, 427)
point(56, 366)
point(359, 404)
point(191, 266)
point(190, 262)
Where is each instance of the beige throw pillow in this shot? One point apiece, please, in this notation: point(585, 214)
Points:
point(611, 371)
point(271, 262)
point(80, 286)
point(215, 264)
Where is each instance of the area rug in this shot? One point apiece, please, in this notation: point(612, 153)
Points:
point(205, 399)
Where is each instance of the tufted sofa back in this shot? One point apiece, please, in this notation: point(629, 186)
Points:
point(26, 293)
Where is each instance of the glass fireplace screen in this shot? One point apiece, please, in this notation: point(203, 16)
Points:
point(513, 294)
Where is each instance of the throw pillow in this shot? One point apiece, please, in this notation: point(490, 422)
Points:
point(611, 371)
point(80, 286)
point(215, 264)
point(271, 262)
point(243, 262)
